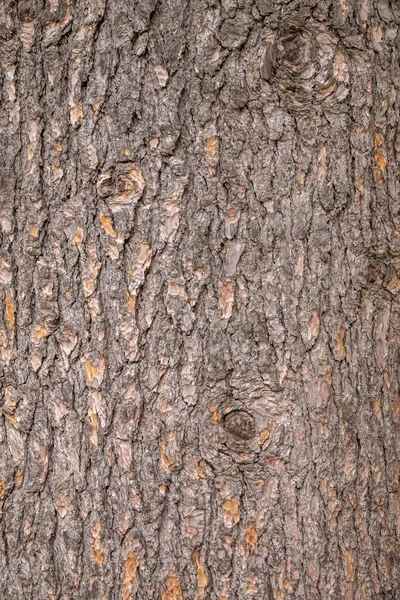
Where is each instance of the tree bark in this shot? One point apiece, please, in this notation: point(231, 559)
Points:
point(199, 299)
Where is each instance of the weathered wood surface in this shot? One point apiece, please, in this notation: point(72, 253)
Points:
point(199, 299)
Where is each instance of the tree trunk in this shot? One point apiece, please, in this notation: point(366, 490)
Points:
point(199, 299)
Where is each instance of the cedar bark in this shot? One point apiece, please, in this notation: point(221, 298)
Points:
point(199, 299)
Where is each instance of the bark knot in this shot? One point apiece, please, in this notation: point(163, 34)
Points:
point(241, 424)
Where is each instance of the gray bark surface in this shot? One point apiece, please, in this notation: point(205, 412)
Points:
point(199, 299)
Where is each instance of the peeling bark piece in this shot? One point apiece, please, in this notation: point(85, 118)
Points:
point(268, 61)
point(233, 254)
point(162, 75)
point(233, 32)
point(313, 326)
point(265, 7)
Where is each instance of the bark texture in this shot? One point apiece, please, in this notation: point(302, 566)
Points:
point(199, 299)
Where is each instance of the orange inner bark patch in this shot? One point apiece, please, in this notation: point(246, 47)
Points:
point(349, 566)
point(395, 404)
point(131, 565)
point(10, 310)
point(380, 160)
point(94, 437)
point(377, 404)
point(251, 586)
point(215, 415)
point(394, 284)
point(107, 225)
point(264, 436)
point(78, 237)
point(226, 299)
point(326, 91)
point(251, 536)
point(360, 185)
point(93, 372)
point(340, 69)
point(57, 149)
point(339, 342)
point(378, 140)
point(39, 333)
point(287, 585)
point(131, 302)
point(177, 289)
point(30, 152)
point(313, 326)
point(231, 509)
point(33, 230)
point(9, 397)
point(166, 463)
point(18, 477)
point(11, 419)
point(201, 574)
point(97, 554)
point(2, 489)
point(173, 589)
point(211, 146)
